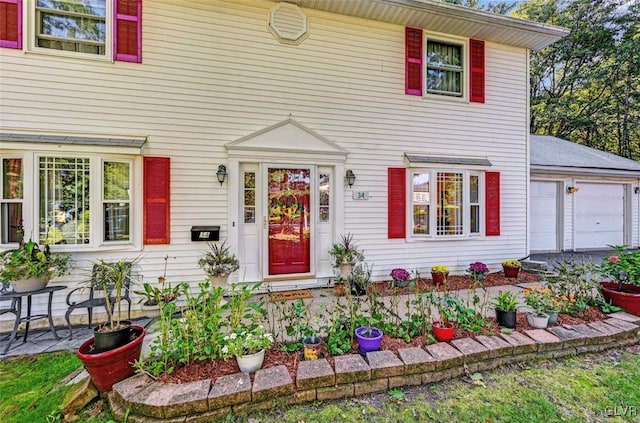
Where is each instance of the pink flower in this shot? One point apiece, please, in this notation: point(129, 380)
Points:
point(614, 259)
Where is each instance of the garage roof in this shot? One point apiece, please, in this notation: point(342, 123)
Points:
point(555, 155)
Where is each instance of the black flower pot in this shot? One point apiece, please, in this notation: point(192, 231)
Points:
point(506, 319)
point(106, 340)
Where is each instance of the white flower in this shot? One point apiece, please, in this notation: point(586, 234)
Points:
point(225, 350)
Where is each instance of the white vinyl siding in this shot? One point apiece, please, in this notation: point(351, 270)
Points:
point(212, 73)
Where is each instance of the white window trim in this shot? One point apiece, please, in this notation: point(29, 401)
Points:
point(464, 42)
point(29, 36)
point(32, 194)
point(433, 196)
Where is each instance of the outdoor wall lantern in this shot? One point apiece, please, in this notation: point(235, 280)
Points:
point(572, 190)
point(636, 190)
point(221, 174)
point(350, 177)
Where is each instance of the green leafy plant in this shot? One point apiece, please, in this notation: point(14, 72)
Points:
point(30, 260)
point(506, 301)
point(297, 318)
point(162, 293)
point(111, 278)
point(538, 298)
point(345, 251)
point(219, 261)
point(245, 342)
point(574, 279)
point(622, 267)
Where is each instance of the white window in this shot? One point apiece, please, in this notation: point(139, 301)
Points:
point(324, 211)
point(11, 199)
point(446, 203)
point(71, 27)
point(78, 201)
point(445, 68)
point(249, 197)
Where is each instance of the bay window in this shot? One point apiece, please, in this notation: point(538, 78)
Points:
point(446, 203)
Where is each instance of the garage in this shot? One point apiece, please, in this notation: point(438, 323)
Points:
point(599, 215)
point(544, 215)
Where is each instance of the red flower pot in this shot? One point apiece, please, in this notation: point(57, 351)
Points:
point(628, 298)
point(510, 271)
point(443, 331)
point(439, 278)
point(109, 367)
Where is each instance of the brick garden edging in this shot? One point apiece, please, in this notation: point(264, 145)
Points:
point(352, 375)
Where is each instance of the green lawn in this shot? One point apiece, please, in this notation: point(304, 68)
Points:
point(581, 389)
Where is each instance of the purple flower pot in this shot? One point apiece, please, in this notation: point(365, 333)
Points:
point(369, 339)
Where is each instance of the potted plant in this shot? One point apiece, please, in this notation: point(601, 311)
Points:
point(369, 339)
point(248, 346)
point(439, 273)
point(153, 297)
point(623, 290)
point(538, 300)
point(108, 357)
point(477, 270)
point(345, 255)
point(312, 347)
point(30, 267)
point(400, 277)
point(511, 268)
point(506, 305)
point(218, 263)
point(444, 329)
point(339, 286)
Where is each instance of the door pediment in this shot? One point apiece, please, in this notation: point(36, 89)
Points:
point(287, 136)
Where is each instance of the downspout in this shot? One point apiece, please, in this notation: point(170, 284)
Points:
point(528, 153)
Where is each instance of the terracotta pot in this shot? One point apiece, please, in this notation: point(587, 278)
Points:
point(439, 278)
point(338, 288)
point(31, 284)
point(510, 271)
point(443, 331)
point(251, 363)
point(109, 367)
point(628, 298)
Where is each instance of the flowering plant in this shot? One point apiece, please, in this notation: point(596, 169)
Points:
point(439, 268)
point(400, 275)
point(246, 341)
point(511, 263)
point(506, 301)
point(622, 267)
point(30, 260)
point(477, 269)
point(219, 261)
point(538, 299)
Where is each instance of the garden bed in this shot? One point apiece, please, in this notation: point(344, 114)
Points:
point(454, 283)
point(274, 356)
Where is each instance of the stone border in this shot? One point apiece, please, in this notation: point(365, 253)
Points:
point(202, 401)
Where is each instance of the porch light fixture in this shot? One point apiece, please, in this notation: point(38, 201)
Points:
point(636, 190)
point(221, 174)
point(350, 177)
point(572, 190)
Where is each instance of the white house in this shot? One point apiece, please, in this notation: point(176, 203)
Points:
point(581, 198)
point(118, 118)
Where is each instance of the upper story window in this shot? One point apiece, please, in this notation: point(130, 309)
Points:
point(445, 203)
point(444, 73)
point(78, 26)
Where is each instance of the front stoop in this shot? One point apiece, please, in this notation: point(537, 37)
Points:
point(201, 401)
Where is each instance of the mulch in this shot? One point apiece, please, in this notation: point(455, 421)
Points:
point(453, 283)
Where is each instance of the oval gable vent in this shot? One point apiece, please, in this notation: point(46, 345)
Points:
point(288, 24)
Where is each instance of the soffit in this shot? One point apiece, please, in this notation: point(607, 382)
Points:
point(437, 16)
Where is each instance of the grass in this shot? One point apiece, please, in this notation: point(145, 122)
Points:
point(581, 389)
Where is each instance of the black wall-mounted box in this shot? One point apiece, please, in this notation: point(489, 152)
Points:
point(205, 233)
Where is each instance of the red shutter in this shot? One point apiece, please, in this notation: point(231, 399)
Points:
point(156, 200)
point(413, 61)
point(11, 23)
point(127, 30)
point(476, 81)
point(492, 202)
point(397, 202)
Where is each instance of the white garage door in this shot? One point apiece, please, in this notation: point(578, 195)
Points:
point(544, 216)
point(599, 215)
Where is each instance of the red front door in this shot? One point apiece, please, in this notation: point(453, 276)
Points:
point(289, 217)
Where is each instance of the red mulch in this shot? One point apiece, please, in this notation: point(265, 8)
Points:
point(454, 283)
